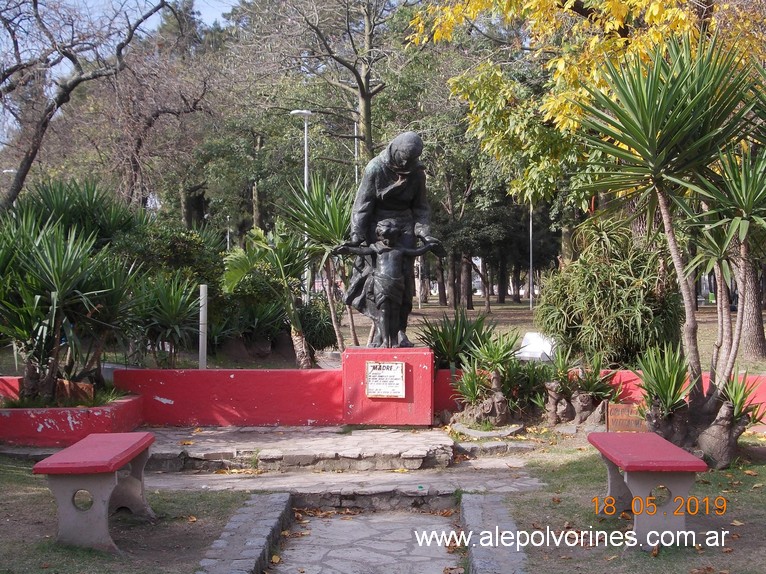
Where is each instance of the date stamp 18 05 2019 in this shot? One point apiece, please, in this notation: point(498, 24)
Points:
point(678, 506)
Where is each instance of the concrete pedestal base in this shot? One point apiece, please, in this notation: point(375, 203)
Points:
point(414, 408)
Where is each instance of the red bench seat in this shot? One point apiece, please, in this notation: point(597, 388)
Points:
point(108, 470)
point(648, 461)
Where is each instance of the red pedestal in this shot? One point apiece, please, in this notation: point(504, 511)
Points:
point(415, 408)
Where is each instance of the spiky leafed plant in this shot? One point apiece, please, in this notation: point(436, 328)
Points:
point(168, 308)
point(663, 119)
point(286, 255)
point(733, 226)
point(450, 338)
point(322, 213)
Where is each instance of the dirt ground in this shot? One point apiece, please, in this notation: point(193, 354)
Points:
point(187, 524)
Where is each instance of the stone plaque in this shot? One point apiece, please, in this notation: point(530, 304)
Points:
point(384, 380)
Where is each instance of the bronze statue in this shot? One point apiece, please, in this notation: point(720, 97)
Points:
point(393, 188)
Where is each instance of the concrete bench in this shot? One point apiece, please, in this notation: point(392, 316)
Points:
point(94, 477)
point(648, 462)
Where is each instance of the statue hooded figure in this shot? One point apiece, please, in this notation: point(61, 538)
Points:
point(393, 187)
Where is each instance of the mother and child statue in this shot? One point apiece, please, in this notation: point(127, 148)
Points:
point(390, 227)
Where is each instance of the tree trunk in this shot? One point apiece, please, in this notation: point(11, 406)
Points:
point(453, 291)
point(691, 348)
point(301, 348)
point(424, 279)
point(466, 281)
point(502, 280)
point(440, 283)
point(516, 284)
point(329, 290)
point(753, 340)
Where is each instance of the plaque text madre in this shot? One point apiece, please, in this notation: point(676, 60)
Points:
point(384, 380)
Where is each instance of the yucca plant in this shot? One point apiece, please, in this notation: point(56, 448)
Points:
point(321, 213)
point(451, 337)
point(594, 381)
point(664, 376)
point(662, 120)
point(494, 354)
point(473, 385)
point(741, 392)
point(169, 309)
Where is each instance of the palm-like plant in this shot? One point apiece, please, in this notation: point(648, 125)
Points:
point(321, 213)
point(168, 308)
point(735, 221)
point(664, 121)
point(286, 255)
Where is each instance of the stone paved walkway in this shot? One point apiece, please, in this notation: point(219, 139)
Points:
point(366, 543)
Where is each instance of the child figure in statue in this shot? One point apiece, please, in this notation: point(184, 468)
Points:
point(388, 277)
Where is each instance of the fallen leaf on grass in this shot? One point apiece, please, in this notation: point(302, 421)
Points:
point(751, 473)
point(556, 500)
point(655, 551)
point(275, 559)
point(735, 536)
point(191, 519)
point(727, 550)
point(703, 570)
point(625, 516)
point(757, 485)
point(737, 523)
point(455, 570)
point(187, 442)
point(400, 470)
point(610, 558)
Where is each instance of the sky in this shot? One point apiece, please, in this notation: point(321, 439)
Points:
point(211, 10)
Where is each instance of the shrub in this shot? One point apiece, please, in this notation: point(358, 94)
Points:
point(317, 323)
point(613, 299)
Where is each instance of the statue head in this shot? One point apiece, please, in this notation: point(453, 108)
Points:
point(404, 151)
point(388, 231)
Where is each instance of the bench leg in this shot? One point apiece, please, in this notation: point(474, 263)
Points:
point(641, 484)
point(616, 487)
point(88, 528)
point(129, 492)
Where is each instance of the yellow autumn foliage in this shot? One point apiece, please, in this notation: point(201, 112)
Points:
point(609, 30)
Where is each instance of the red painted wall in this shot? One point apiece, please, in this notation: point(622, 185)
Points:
point(631, 392)
point(443, 392)
point(237, 397)
point(65, 426)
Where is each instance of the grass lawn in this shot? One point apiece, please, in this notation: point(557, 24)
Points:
point(574, 475)
point(188, 522)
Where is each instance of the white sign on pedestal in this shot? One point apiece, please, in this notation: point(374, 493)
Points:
point(384, 380)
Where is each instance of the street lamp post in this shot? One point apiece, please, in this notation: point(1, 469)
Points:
point(305, 114)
